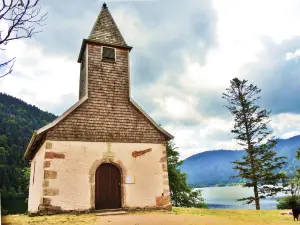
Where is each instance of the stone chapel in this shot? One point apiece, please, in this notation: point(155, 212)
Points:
point(104, 152)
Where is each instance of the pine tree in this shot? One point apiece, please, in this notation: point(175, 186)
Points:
point(298, 156)
point(260, 166)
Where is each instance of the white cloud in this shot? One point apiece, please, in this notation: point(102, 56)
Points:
point(285, 124)
point(177, 109)
point(131, 27)
point(247, 20)
point(212, 134)
point(290, 134)
point(292, 55)
point(40, 78)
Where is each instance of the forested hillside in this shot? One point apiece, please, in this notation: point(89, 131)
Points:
point(18, 120)
point(215, 167)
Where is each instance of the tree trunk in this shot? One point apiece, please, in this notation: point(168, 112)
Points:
point(257, 205)
point(255, 189)
point(250, 152)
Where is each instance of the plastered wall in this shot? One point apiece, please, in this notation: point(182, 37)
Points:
point(36, 180)
point(70, 169)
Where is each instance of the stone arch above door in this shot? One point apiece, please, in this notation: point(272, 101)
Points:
point(92, 173)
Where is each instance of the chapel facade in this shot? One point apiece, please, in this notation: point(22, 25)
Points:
point(105, 152)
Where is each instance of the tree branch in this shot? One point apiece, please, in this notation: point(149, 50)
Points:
point(22, 20)
point(10, 69)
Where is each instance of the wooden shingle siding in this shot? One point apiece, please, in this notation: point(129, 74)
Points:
point(107, 115)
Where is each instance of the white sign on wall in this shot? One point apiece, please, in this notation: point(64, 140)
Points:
point(130, 180)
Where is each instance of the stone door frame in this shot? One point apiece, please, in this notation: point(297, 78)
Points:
point(92, 174)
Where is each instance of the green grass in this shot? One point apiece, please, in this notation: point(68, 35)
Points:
point(204, 216)
point(251, 216)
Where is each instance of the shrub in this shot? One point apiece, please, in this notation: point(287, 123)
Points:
point(288, 202)
point(182, 195)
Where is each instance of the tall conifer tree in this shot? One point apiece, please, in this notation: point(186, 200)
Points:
point(260, 166)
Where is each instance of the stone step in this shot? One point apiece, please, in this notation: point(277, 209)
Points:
point(111, 213)
point(108, 210)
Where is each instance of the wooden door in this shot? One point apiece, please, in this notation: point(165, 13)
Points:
point(107, 187)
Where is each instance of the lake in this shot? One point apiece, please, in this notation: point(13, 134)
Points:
point(225, 197)
point(215, 197)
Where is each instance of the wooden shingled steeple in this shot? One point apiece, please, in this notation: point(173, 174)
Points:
point(105, 30)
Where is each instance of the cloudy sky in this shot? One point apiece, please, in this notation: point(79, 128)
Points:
point(184, 55)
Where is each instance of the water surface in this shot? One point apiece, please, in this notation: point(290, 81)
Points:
point(225, 197)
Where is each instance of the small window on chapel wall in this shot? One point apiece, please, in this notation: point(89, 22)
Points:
point(108, 54)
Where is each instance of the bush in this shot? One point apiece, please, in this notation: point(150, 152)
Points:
point(182, 195)
point(288, 202)
point(4, 211)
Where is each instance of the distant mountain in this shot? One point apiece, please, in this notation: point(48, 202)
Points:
point(18, 120)
point(215, 167)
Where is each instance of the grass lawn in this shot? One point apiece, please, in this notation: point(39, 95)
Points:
point(177, 216)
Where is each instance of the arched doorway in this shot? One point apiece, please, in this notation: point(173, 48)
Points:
point(107, 187)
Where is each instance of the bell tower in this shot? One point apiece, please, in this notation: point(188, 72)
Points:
point(104, 58)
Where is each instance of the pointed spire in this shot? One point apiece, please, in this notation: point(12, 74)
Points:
point(105, 29)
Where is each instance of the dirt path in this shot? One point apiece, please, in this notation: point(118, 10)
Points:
point(173, 219)
point(160, 219)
